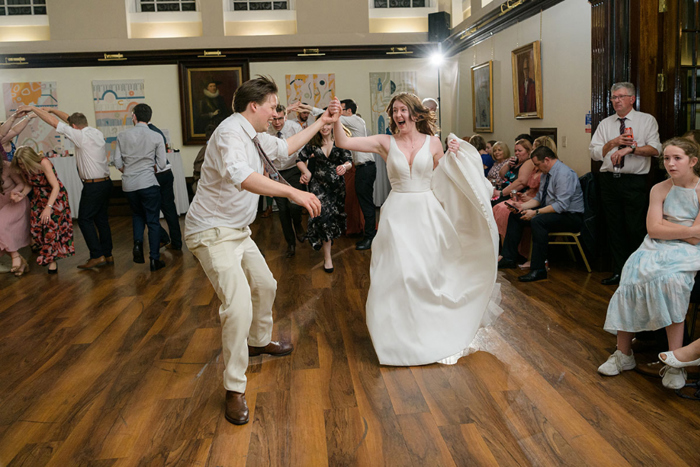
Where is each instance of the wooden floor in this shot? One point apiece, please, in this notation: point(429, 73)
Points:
point(121, 366)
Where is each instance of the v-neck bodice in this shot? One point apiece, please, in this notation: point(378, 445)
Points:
point(407, 178)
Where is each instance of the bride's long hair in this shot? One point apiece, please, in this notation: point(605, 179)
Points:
point(426, 121)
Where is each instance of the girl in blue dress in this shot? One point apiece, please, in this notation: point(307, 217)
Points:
point(656, 281)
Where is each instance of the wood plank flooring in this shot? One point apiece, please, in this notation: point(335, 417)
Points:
point(123, 367)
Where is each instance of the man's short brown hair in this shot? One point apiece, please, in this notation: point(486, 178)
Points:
point(280, 109)
point(78, 119)
point(255, 90)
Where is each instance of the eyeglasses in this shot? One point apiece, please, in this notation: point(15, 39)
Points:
point(617, 98)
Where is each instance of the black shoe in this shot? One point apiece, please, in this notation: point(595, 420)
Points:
point(364, 244)
point(157, 264)
point(291, 250)
point(138, 252)
point(164, 241)
point(612, 280)
point(534, 275)
point(53, 271)
point(301, 235)
point(507, 264)
point(328, 270)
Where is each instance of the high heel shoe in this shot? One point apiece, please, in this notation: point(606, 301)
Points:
point(21, 269)
point(328, 270)
point(54, 271)
point(672, 361)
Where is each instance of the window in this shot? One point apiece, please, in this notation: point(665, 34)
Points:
point(258, 5)
point(22, 7)
point(146, 6)
point(401, 3)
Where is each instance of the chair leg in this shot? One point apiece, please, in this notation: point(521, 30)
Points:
point(583, 255)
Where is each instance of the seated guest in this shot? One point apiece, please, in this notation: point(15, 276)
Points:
point(480, 144)
point(489, 146)
point(557, 207)
point(657, 279)
point(500, 152)
point(50, 217)
point(516, 172)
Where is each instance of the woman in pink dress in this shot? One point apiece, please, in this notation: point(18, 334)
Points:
point(14, 217)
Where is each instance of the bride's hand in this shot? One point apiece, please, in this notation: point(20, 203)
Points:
point(453, 146)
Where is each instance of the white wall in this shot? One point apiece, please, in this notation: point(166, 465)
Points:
point(74, 88)
point(566, 80)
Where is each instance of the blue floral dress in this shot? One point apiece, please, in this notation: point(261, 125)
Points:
point(657, 279)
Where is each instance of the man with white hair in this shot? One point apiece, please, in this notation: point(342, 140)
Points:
point(625, 142)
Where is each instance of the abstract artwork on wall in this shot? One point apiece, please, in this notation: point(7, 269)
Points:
point(315, 90)
point(114, 101)
point(37, 134)
point(382, 86)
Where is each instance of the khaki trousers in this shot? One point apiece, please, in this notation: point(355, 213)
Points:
point(244, 284)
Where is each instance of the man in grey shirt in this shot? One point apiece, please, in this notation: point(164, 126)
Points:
point(557, 207)
point(139, 150)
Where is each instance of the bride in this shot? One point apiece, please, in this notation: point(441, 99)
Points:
point(434, 259)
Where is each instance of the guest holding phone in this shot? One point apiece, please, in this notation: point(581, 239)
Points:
point(516, 172)
point(558, 206)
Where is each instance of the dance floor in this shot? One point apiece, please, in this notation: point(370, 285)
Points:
point(120, 366)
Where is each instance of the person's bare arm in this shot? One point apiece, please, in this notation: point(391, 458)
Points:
point(60, 114)
point(41, 113)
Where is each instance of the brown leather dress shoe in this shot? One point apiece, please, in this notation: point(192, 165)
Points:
point(93, 263)
point(236, 408)
point(109, 259)
point(276, 349)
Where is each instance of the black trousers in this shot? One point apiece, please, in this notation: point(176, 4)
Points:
point(94, 218)
point(289, 213)
point(542, 225)
point(167, 206)
point(365, 175)
point(145, 208)
point(625, 203)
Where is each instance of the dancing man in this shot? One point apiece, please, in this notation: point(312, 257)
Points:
point(217, 228)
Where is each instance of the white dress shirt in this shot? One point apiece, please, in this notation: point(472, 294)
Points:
point(358, 128)
point(138, 150)
point(90, 154)
point(645, 131)
point(289, 129)
point(231, 157)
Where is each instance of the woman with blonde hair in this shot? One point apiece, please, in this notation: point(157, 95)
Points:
point(50, 216)
point(500, 153)
point(434, 230)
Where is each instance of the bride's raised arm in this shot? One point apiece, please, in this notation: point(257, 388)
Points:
point(378, 144)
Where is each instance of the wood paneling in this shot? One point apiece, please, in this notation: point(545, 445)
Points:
point(120, 366)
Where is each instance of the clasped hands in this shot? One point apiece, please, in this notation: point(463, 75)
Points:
point(622, 140)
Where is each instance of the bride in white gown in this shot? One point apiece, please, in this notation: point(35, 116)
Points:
point(434, 259)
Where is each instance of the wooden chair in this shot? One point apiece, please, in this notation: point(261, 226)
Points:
point(575, 237)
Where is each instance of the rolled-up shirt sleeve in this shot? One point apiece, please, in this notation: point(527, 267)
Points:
point(653, 139)
point(76, 136)
point(235, 163)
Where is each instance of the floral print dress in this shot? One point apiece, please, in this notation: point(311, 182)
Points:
point(54, 239)
point(329, 188)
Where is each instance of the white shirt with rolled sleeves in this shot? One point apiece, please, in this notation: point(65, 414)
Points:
point(90, 154)
point(231, 157)
point(358, 128)
point(645, 131)
point(289, 129)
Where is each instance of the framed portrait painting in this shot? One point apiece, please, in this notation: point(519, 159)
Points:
point(527, 81)
point(206, 96)
point(482, 97)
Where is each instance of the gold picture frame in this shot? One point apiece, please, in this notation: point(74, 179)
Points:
point(527, 81)
point(482, 97)
point(206, 95)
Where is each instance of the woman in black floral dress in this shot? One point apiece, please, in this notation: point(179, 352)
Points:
point(322, 166)
point(50, 216)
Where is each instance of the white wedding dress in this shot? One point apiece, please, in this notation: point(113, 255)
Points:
point(434, 259)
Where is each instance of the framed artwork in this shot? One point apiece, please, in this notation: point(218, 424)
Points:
point(551, 132)
point(482, 97)
point(206, 96)
point(527, 81)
